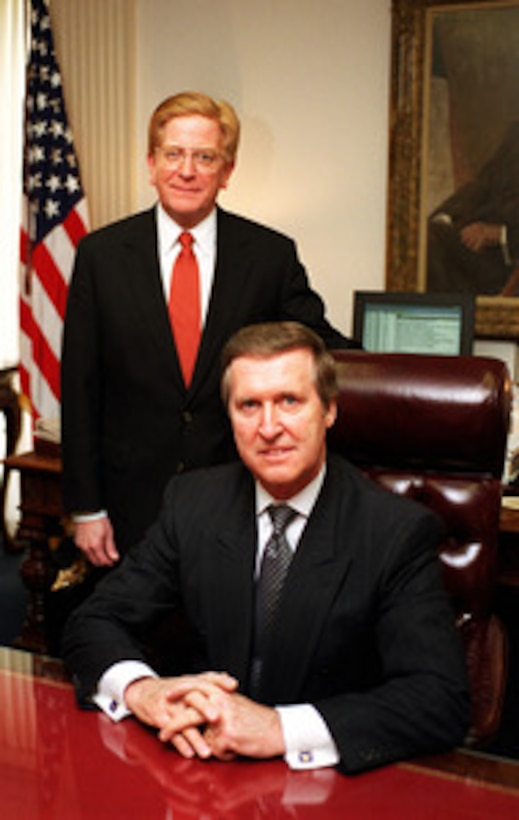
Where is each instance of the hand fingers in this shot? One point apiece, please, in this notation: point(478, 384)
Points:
point(222, 680)
point(111, 551)
point(198, 743)
point(209, 705)
point(95, 539)
point(187, 745)
point(98, 557)
point(208, 683)
point(217, 744)
point(191, 743)
point(180, 721)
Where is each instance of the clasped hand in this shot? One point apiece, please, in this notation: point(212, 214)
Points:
point(480, 235)
point(204, 716)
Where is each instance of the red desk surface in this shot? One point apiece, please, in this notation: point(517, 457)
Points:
point(57, 762)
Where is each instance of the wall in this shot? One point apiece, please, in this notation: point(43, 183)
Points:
point(310, 81)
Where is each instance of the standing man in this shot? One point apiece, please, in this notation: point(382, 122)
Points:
point(313, 591)
point(140, 387)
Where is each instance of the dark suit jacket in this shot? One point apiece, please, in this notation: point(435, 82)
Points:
point(364, 629)
point(128, 421)
point(492, 196)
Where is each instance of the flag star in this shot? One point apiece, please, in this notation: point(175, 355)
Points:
point(42, 48)
point(39, 128)
point(54, 183)
point(55, 80)
point(34, 181)
point(56, 128)
point(56, 157)
point(36, 154)
point(72, 184)
point(41, 101)
point(51, 208)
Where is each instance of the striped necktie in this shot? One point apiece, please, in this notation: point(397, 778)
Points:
point(274, 567)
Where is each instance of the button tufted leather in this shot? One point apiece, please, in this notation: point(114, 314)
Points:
point(434, 428)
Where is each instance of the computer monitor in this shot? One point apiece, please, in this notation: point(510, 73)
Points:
point(391, 322)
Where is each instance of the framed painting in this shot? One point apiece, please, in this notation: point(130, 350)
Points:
point(453, 200)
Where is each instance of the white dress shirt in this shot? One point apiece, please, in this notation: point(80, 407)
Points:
point(308, 742)
point(204, 248)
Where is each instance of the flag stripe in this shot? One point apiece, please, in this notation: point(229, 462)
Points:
point(74, 225)
point(26, 327)
point(46, 317)
point(46, 361)
point(50, 277)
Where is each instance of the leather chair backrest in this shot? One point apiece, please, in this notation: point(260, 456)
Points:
point(434, 428)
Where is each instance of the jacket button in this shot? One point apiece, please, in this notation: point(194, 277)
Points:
point(188, 418)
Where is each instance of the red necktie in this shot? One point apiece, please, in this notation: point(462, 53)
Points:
point(184, 306)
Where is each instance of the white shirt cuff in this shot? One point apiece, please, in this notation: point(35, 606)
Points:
point(79, 518)
point(109, 696)
point(308, 742)
point(443, 218)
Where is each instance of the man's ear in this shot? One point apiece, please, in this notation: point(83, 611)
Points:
point(150, 159)
point(330, 415)
point(227, 175)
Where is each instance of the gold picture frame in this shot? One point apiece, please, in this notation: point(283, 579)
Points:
point(497, 317)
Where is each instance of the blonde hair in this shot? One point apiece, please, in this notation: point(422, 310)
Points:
point(194, 102)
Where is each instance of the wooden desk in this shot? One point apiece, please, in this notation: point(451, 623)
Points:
point(60, 763)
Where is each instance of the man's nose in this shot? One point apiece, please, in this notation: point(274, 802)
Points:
point(269, 422)
point(187, 165)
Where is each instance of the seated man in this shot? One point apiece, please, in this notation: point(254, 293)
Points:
point(473, 236)
point(353, 660)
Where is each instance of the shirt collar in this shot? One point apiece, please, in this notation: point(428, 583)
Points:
point(303, 502)
point(168, 230)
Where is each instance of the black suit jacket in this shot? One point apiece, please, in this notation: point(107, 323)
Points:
point(128, 421)
point(492, 196)
point(364, 629)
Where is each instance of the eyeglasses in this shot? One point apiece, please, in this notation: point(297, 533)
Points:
point(203, 159)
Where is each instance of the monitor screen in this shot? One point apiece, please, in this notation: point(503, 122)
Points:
point(437, 323)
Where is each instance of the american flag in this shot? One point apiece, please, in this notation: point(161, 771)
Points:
point(54, 218)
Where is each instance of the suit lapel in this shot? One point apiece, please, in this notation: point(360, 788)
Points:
point(317, 572)
point(144, 283)
point(229, 276)
point(231, 587)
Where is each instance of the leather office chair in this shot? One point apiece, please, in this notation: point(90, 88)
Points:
point(434, 428)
